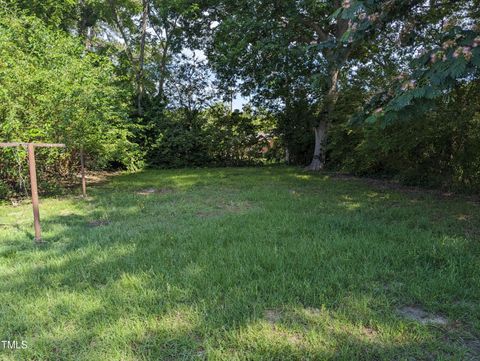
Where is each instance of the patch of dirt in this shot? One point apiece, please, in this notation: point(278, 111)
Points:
point(97, 177)
point(145, 192)
point(415, 313)
point(312, 311)
point(15, 202)
point(98, 223)
point(272, 316)
point(148, 191)
point(460, 334)
point(392, 286)
point(236, 207)
point(201, 352)
point(463, 217)
point(369, 332)
point(294, 339)
point(205, 214)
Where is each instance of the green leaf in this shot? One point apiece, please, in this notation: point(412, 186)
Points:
point(336, 13)
point(458, 67)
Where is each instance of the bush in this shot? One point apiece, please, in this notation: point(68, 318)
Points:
point(214, 136)
point(439, 148)
point(52, 90)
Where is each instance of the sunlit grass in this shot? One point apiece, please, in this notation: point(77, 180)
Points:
point(247, 264)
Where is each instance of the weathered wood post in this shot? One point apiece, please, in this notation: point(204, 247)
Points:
point(33, 180)
point(34, 190)
point(84, 182)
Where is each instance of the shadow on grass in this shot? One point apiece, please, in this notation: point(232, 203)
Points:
point(155, 278)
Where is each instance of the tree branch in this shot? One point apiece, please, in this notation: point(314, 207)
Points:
point(119, 25)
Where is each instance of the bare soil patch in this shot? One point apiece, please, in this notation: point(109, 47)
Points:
point(149, 191)
point(272, 316)
point(92, 177)
point(473, 346)
point(98, 223)
point(415, 313)
point(369, 332)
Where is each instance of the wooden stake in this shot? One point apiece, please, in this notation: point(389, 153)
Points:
point(33, 179)
point(84, 182)
point(33, 184)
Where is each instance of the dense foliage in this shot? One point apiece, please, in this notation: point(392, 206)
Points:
point(213, 137)
point(441, 149)
point(54, 92)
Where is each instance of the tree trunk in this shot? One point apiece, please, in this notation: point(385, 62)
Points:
point(140, 85)
point(119, 24)
point(321, 130)
point(165, 53)
point(163, 71)
point(318, 161)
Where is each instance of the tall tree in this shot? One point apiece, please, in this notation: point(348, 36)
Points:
point(255, 38)
point(288, 40)
point(190, 87)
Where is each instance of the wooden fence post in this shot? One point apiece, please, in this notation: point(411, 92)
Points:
point(84, 182)
point(34, 189)
point(33, 178)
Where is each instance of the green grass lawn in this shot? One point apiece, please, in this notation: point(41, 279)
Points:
point(242, 264)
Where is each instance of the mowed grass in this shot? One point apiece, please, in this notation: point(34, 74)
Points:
point(241, 264)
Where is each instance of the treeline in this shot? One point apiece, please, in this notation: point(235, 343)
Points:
point(214, 137)
point(377, 88)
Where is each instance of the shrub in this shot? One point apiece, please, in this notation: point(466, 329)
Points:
point(53, 90)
